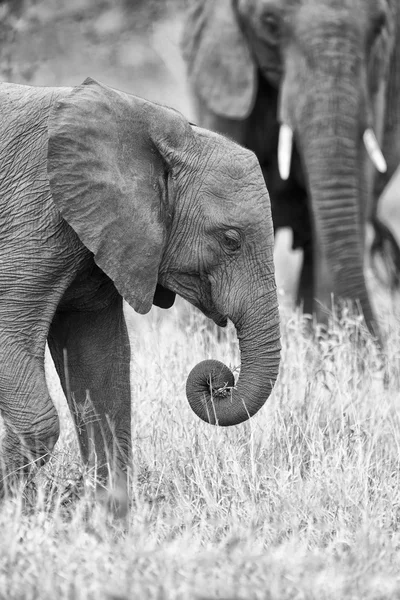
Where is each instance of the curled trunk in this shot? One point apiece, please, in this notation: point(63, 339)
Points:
point(210, 386)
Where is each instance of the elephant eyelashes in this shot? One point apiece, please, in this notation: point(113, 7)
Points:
point(232, 240)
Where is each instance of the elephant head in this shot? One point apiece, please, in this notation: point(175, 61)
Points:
point(169, 208)
point(313, 74)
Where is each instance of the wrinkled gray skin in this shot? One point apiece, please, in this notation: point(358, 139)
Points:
point(106, 196)
point(328, 69)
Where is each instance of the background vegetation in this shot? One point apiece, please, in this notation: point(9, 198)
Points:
point(301, 502)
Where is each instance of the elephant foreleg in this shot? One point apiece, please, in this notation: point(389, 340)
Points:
point(32, 285)
point(91, 352)
point(31, 420)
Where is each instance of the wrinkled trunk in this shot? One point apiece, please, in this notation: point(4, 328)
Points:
point(210, 384)
point(329, 132)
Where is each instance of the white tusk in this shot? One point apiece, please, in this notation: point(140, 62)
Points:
point(285, 150)
point(375, 153)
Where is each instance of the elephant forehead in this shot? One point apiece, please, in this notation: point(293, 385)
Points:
point(229, 158)
point(236, 176)
point(228, 177)
point(246, 207)
point(235, 193)
point(237, 163)
point(242, 180)
point(341, 16)
point(235, 188)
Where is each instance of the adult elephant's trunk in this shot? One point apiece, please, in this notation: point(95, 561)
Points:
point(210, 385)
point(329, 125)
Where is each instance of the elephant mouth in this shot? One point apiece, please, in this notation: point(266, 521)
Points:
point(221, 321)
point(200, 297)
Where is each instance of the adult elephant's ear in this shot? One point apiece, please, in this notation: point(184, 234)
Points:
point(220, 64)
point(108, 157)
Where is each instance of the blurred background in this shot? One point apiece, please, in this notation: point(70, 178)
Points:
point(128, 44)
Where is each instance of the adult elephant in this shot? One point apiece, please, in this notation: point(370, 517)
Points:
point(328, 73)
point(106, 196)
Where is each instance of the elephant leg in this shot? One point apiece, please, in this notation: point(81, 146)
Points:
point(28, 303)
point(30, 418)
point(91, 352)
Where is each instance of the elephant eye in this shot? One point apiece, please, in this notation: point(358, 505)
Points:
point(232, 240)
point(272, 27)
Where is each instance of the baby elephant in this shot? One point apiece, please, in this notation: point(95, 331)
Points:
point(106, 196)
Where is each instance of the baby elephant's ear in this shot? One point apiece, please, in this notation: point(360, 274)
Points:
point(107, 178)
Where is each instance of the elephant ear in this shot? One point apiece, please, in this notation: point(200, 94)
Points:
point(220, 64)
point(108, 156)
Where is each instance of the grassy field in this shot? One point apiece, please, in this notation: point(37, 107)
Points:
point(303, 501)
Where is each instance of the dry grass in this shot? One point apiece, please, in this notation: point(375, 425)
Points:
point(302, 501)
